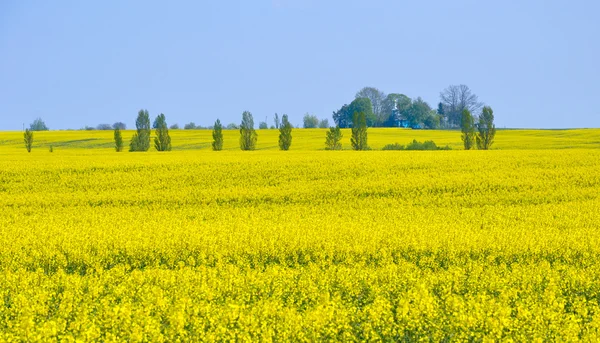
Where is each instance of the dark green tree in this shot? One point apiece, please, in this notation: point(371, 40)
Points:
point(28, 138)
point(395, 107)
point(467, 127)
point(359, 131)
point(118, 139)
point(333, 139)
point(277, 122)
point(141, 139)
point(363, 105)
point(38, 125)
point(486, 129)
point(248, 135)
point(217, 134)
point(285, 133)
point(418, 112)
point(162, 141)
point(343, 117)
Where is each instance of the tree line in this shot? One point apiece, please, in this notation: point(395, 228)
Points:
point(398, 110)
point(475, 131)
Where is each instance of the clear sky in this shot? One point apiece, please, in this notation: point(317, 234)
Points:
point(77, 63)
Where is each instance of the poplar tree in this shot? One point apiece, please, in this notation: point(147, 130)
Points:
point(141, 139)
point(467, 126)
point(248, 135)
point(118, 140)
point(285, 133)
point(333, 139)
point(359, 131)
point(28, 138)
point(486, 129)
point(217, 144)
point(162, 141)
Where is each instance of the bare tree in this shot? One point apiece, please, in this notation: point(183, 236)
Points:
point(377, 98)
point(457, 98)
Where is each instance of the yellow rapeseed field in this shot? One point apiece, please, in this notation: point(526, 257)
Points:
point(304, 245)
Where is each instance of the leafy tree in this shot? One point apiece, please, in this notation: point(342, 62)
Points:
point(432, 120)
point(467, 126)
point(310, 121)
point(162, 141)
point(141, 139)
point(333, 139)
point(395, 107)
point(217, 144)
point(377, 99)
point(104, 127)
point(343, 117)
point(276, 119)
point(189, 126)
point(323, 124)
point(28, 138)
point(118, 140)
point(38, 125)
point(174, 127)
point(486, 129)
point(285, 133)
point(363, 105)
point(359, 131)
point(248, 135)
point(263, 125)
point(232, 126)
point(417, 113)
point(119, 125)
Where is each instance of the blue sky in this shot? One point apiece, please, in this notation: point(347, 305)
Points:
point(77, 63)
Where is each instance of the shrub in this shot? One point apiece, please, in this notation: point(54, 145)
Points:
point(415, 145)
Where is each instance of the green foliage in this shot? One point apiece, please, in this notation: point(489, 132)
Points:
point(285, 133)
point(217, 134)
point(416, 145)
point(28, 138)
point(38, 125)
point(263, 125)
point(310, 121)
point(363, 105)
point(344, 116)
point(359, 131)
point(486, 129)
point(467, 126)
point(189, 126)
point(118, 139)
point(248, 135)
point(51, 149)
point(323, 124)
point(277, 122)
point(395, 107)
point(162, 141)
point(333, 139)
point(141, 139)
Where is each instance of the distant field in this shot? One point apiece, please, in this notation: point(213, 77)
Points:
point(312, 139)
point(304, 245)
